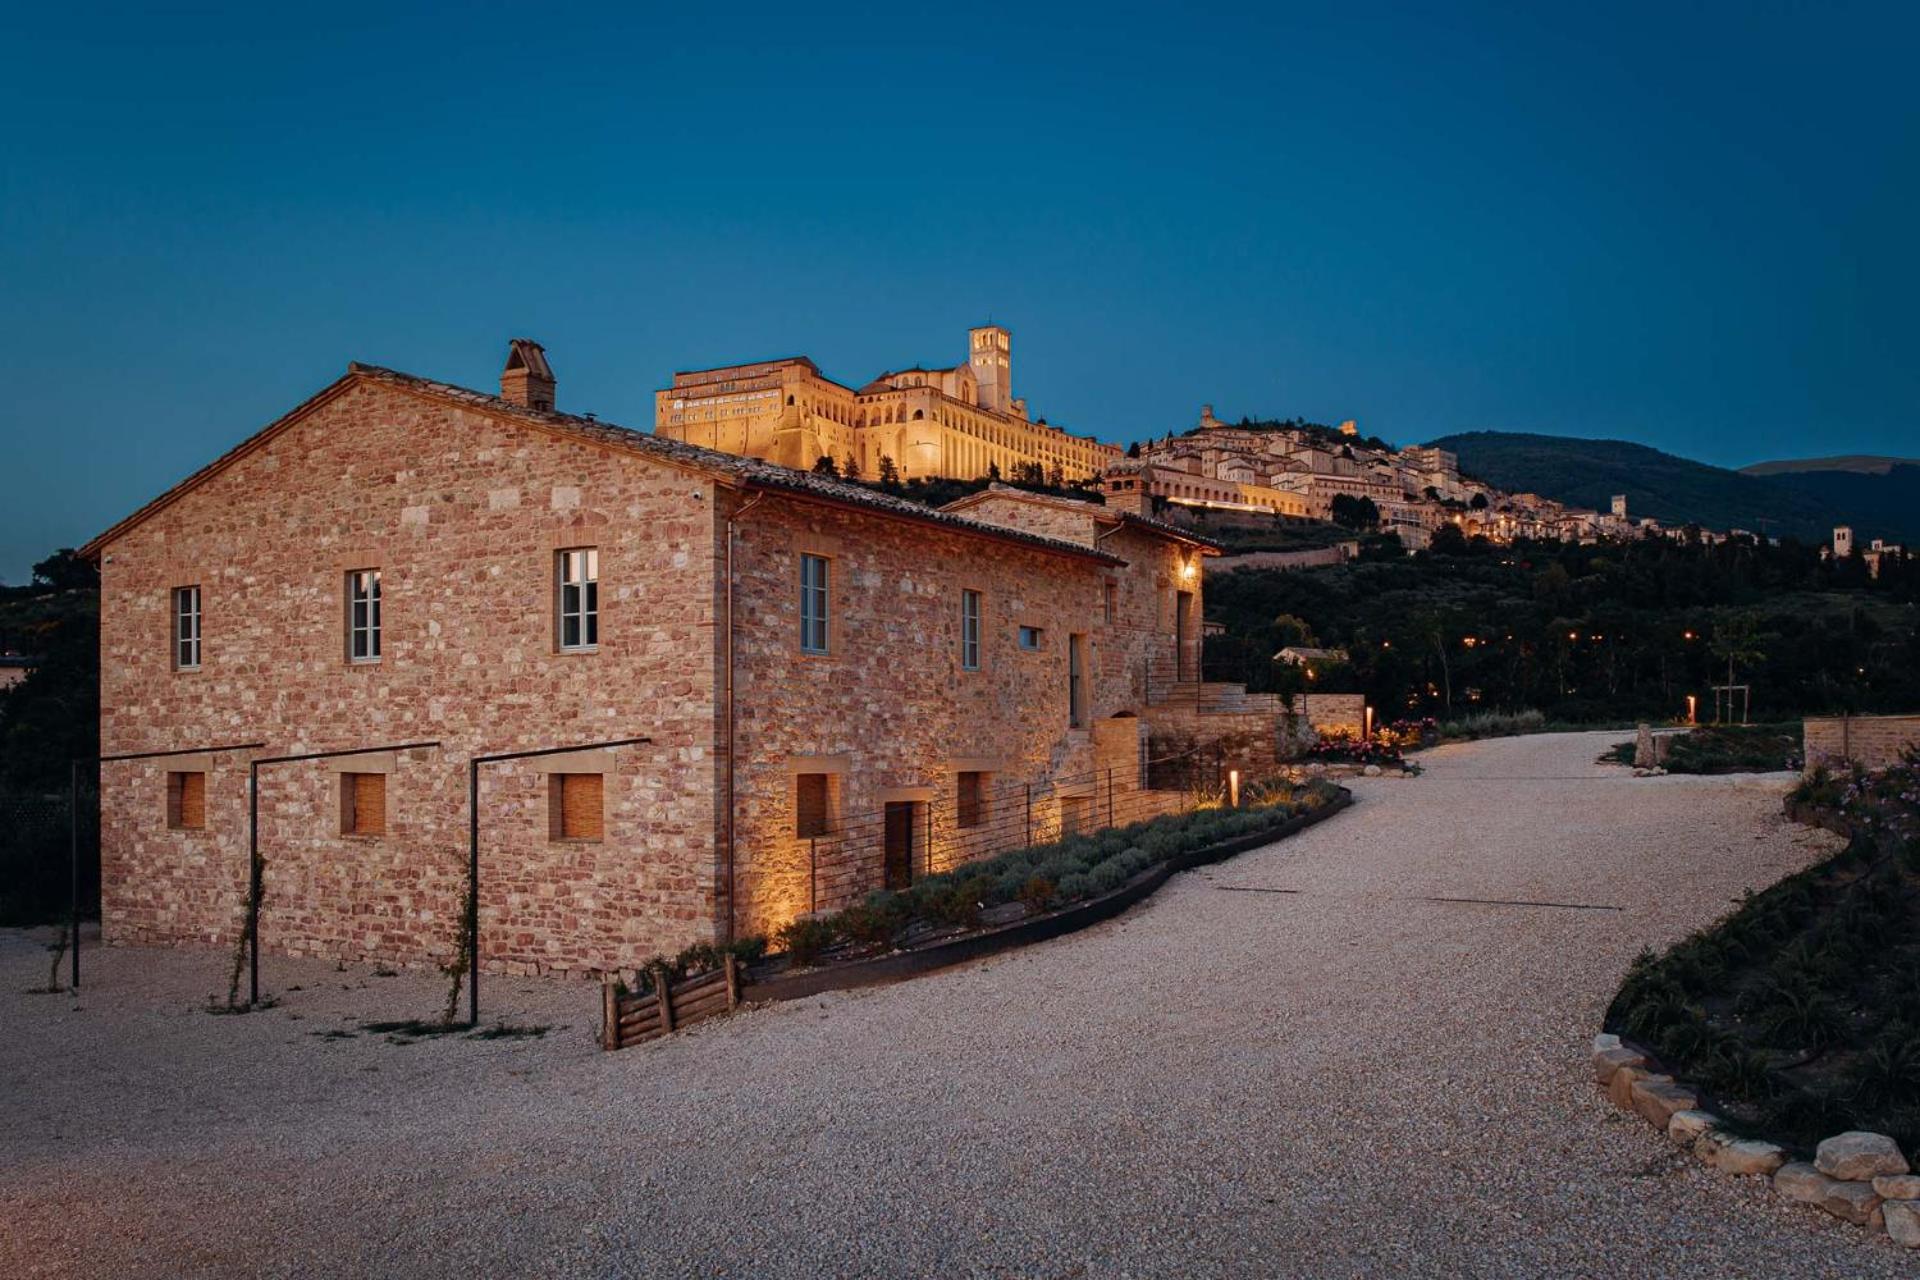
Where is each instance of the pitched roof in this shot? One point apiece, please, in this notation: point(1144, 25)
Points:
point(1094, 511)
point(729, 468)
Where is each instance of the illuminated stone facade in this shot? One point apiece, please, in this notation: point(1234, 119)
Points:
point(468, 505)
point(961, 422)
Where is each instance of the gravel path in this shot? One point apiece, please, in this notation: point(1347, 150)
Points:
point(1305, 1061)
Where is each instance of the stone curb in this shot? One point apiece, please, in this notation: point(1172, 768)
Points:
point(1857, 1177)
point(901, 965)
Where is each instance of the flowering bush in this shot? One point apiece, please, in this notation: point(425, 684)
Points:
point(1409, 733)
point(1344, 745)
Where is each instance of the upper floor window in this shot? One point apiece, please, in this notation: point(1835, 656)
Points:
point(1029, 637)
point(363, 615)
point(186, 628)
point(813, 604)
point(579, 571)
point(1077, 681)
point(970, 630)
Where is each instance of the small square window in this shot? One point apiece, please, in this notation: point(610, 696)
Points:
point(813, 805)
point(187, 801)
point(1030, 637)
point(363, 804)
point(972, 809)
point(576, 806)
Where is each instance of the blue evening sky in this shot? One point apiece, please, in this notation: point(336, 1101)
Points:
point(1689, 226)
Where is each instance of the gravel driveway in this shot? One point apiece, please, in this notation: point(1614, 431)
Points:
point(1321, 1058)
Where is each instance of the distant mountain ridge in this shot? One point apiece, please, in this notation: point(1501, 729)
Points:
point(1803, 504)
point(1862, 463)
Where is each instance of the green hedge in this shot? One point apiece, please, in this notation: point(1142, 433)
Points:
point(1048, 875)
point(1800, 1012)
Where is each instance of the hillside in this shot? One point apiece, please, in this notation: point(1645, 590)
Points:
point(1863, 463)
point(1879, 497)
point(1675, 490)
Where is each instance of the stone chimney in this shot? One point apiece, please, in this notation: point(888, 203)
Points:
point(1129, 490)
point(528, 379)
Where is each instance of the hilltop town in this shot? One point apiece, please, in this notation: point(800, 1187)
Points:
point(963, 422)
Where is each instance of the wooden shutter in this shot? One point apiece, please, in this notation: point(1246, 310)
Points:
point(810, 805)
point(972, 796)
point(187, 801)
point(369, 803)
point(582, 796)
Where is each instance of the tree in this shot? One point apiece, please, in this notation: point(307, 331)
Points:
point(1056, 476)
point(1448, 540)
point(1355, 513)
point(1133, 450)
point(825, 466)
point(65, 571)
point(1479, 502)
point(993, 471)
point(889, 474)
point(851, 468)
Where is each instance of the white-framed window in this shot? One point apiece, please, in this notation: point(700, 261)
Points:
point(969, 630)
point(813, 604)
point(186, 628)
point(579, 611)
point(363, 615)
point(1030, 638)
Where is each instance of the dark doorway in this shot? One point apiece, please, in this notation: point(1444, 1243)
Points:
point(899, 847)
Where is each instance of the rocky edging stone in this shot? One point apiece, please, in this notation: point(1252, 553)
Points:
point(1861, 1178)
point(910, 963)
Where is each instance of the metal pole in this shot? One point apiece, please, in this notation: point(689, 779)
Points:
point(253, 878)
point(473, 893)
point(73, 823)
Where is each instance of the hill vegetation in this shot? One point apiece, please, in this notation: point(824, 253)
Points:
point(1602, 633)
point(1670, 489)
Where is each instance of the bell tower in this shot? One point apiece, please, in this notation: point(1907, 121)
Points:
point(990, 354)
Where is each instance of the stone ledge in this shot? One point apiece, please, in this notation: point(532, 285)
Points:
point(1862, 1178)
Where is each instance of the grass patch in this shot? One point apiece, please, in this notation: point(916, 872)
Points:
point(1800, 1012)
point(1736, 748)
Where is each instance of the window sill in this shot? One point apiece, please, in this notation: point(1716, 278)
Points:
point(576, 650)
point(577, 840)
point(363, 835)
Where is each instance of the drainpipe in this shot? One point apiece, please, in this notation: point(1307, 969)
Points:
point(750, 504)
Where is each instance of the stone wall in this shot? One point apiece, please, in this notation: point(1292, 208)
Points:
point(1872, 742)
point(462, 513)
point(889, 712)
point(1334, 711)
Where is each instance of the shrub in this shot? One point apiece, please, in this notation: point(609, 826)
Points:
point(1076, 886)
point(1039, 893)
point(804, 940)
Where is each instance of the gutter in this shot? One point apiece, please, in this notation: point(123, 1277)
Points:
point(749, 505)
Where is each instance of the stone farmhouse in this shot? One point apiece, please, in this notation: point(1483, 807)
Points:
point(400, 561)
point(961, 422)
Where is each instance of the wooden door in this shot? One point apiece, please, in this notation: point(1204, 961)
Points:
point(899, 843)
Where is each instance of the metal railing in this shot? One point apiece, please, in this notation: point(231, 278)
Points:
point(906, 840)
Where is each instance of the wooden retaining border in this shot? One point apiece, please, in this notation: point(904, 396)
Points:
point(646, 1017)
point(633, 1019)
